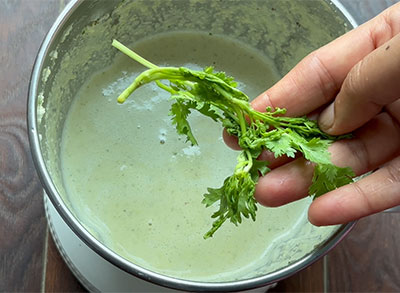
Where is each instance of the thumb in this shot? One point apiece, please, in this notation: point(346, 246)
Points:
point(370, 85)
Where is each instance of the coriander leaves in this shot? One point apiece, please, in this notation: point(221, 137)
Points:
point(214, 94)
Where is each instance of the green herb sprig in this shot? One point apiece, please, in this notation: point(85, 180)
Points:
point(214, 94)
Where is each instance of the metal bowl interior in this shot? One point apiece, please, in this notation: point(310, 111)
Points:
point(78, 45)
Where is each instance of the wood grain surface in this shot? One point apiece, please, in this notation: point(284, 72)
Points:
point(366, 261)
point(58, 277)
point(23, 25)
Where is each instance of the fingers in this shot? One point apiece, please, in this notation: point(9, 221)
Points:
point(319, 76)
point(372, 194)
point(393, 109)
point(232, 142)
point(377, 192)
point(373, 83)
point(273, 162)
point(284, 184)
point(374, 144)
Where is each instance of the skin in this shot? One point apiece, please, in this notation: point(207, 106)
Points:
point(352, 85)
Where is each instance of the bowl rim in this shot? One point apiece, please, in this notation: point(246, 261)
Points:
point(107, 253)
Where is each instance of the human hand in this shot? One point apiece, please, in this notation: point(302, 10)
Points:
point(358, 75)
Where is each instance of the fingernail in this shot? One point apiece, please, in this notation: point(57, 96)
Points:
point(327, 117)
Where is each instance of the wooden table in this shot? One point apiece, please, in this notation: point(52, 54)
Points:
point(368, 260)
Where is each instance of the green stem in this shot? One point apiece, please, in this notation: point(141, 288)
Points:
point(127, 92)
point(216, 225)
point(242, 121)
point(154, 74)
point(250, 161)
point(166, 88)
point(133, 55)
point(245, 162)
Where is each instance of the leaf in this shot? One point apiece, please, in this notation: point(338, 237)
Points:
point(314, 150)
point(328, 177)
point(209, 110)
point(179, 112)
point(212, 196)
point(282, 145)
point(259, 167)
point(236, 200)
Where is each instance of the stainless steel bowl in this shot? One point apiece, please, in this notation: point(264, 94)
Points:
point(78, 45)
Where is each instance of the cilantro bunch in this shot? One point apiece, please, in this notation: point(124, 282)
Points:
point(215, 95)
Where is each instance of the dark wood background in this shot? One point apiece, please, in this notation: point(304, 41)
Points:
point(368, 260)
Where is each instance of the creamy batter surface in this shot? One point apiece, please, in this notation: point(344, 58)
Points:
point(137, 186)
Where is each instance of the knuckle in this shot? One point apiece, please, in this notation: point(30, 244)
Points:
point(326, 81)
point(356, 81)
point(361, 153)
point(393, 170)
point(365, 200)
point(393, 111)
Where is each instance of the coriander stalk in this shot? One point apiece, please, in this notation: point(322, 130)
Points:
point(133, 55)
point(214, 94)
